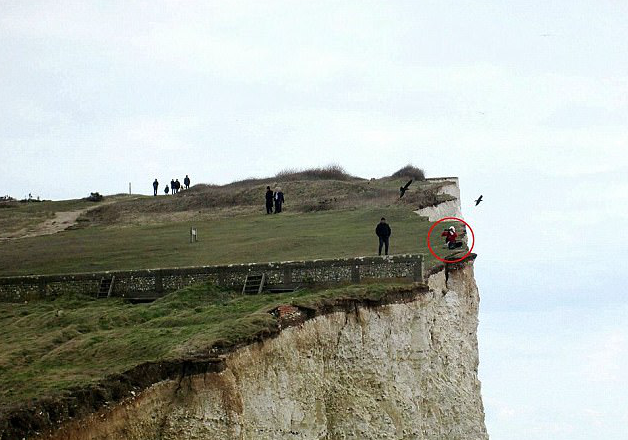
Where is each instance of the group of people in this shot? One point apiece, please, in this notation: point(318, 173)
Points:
point(384, 232)
point(274, 199)
point(174, 187)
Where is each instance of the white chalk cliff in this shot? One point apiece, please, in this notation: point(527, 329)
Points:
point(405, 370)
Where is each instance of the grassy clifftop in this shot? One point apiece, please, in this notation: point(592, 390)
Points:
point(322, 218)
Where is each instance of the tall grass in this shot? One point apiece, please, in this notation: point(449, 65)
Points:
point(329, 172)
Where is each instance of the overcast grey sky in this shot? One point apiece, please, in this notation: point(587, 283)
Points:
point(527, 102)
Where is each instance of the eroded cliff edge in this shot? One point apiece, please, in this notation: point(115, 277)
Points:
point(404, 370)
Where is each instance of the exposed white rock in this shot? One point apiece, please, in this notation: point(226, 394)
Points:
point(398, 371)
point(449, 208)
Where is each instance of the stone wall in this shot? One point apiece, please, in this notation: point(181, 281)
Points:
point(153, 283)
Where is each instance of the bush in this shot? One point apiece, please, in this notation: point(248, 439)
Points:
point(94, 197)
point(329, 172)
point(410, 171)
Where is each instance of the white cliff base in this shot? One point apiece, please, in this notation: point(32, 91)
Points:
point(397, 371)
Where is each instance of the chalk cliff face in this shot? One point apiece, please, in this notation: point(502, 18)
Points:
point(449, 208)
point(399, 371)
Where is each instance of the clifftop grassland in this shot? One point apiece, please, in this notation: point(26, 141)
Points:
point(72, 355)
point(322, 218)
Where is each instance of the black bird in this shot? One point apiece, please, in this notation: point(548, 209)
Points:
point(403, 189)
point(477, 202)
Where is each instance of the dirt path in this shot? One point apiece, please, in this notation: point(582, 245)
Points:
point(60, 222)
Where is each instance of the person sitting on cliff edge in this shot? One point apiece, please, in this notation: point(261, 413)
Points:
point(450, 238)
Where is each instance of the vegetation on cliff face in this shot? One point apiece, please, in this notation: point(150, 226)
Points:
point(47, 347)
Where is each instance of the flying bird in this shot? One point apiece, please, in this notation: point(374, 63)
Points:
point(477, 202)
point(403, 189)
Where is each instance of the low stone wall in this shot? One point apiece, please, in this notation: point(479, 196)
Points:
point(153, 283)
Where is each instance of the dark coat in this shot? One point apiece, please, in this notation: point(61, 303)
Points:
point(383, 230)
point(186, 181)
point(279, 197)
point(269, 196)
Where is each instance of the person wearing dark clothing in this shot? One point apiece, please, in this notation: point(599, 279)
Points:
point(155, 185)
point(166, 189)
point(383, 232)
point(279, 200)
point(178, 184)
point(186, 182)
point(172, 186)
point(450, 238)
point(269, 200)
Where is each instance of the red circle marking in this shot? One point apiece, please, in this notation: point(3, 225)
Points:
point(429, 245)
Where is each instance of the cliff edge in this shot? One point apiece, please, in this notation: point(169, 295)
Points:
point(403, 370)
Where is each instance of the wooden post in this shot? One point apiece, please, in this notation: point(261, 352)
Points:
point(417, 270)
point(159, 284)
point(287, 276)
point(355, 274)
point(193, 235)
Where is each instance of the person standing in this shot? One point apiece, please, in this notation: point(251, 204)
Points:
point(269, 200)
point(155, 186)
point(279, 200)
point(186, 182)
point(383, 232)
point(172, 187)
point(178, 185)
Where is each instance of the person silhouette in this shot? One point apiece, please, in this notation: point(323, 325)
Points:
point(383, 231)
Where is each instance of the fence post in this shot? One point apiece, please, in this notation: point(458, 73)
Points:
point(355, 273)
point(287, 276)
point(159, 284)
point(42, 287)
point(417, 272)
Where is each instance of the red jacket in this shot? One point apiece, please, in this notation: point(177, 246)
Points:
point(451, 236)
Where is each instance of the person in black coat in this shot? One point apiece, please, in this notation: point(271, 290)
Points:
point(178, 184)
point(186, 182)
point(383, 232)
point(269, 200)
point(155, 185)
point(172, 186)
point(166, 189)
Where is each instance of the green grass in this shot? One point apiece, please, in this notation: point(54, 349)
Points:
point(240, 239)
point(49, 346)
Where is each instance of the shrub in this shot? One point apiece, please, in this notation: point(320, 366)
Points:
point(410, 171)
point(329, 172)
point(94, 197)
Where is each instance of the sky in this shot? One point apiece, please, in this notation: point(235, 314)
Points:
point(526, 102)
